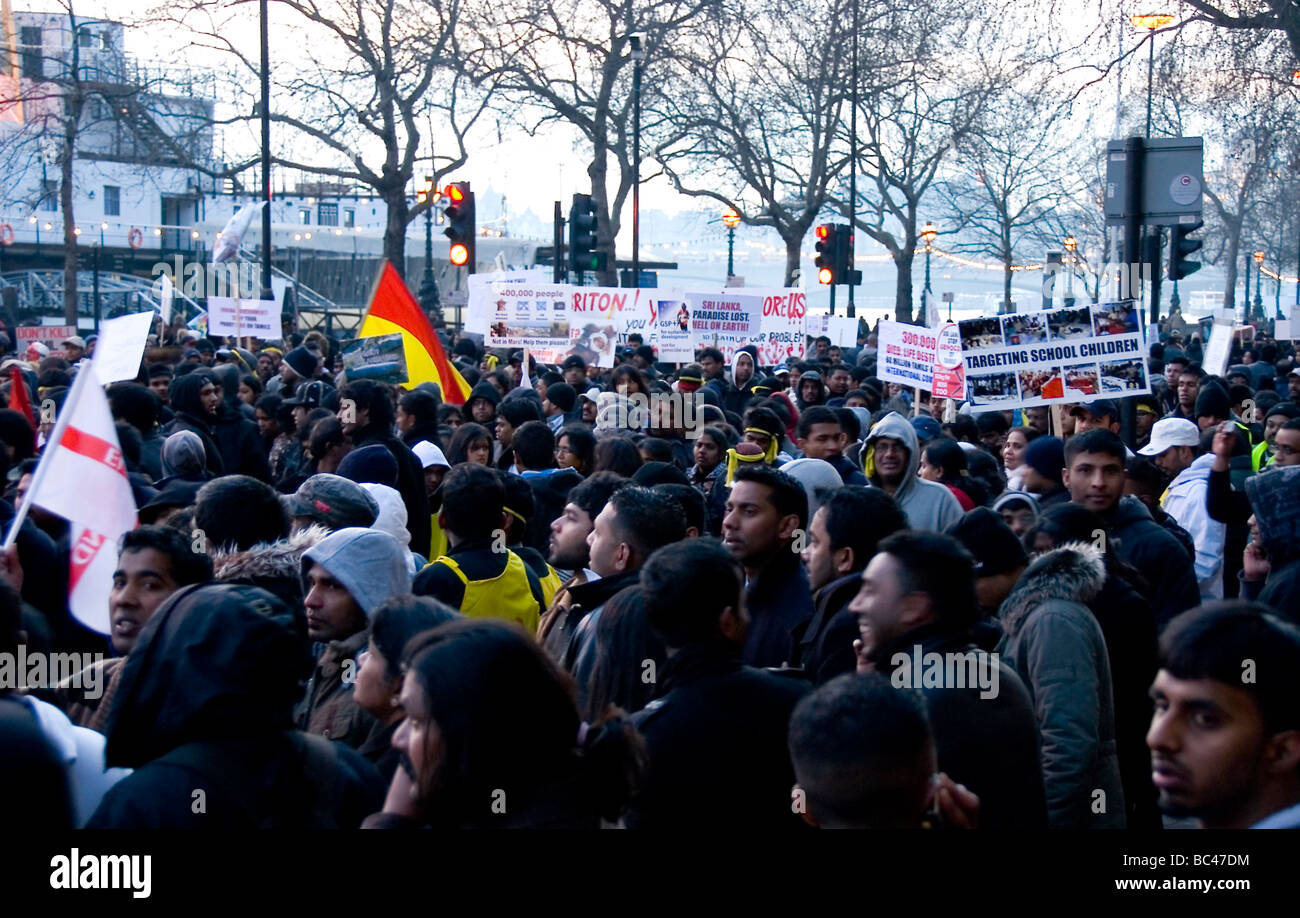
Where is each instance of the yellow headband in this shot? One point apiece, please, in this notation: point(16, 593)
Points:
point(694, 379)
point(769, 454)
point(516, 515)
point(733, 461)
point(492, 361)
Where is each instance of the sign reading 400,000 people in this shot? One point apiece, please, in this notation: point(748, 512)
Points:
point(1054, 356)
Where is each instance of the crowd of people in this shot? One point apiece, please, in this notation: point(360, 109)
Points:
point(778, 597)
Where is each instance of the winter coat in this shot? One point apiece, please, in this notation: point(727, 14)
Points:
point(823, 647)
point(1185, 501)
point(273, 566)
point(1158, 556)
point(739, 393)
point(1057, 648)
point(205, 704)
point(328, 708)
point(985, 738)
point(189, 415)
point(237, 437)
point(927, 504)
point(716, 734)
point(778, 600)
point(410, 480)
point(587, 602)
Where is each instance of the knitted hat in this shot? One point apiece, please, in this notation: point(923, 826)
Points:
point(370, 463)
point(995, 547)
point(302, 362)
point(1046, 456)
point(1212, 401)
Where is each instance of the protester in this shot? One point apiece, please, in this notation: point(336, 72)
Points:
point(890, 462)
point(714, 723)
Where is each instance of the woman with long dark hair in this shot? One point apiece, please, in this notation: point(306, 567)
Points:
point(471, 443)
point(493, 737)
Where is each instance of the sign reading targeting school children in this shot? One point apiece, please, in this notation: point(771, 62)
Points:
point(1055, 356)
point(906, 354)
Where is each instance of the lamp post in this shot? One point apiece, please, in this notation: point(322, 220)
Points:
point(1150, 22)
point(1070, 244)
point(928, 233)
point(265, 75)
point(637, 41)
point(1246, 313)
point(1259, 284)
point(426, 194)
point(732, 220)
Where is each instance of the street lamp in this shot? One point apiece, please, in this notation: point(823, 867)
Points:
point(731, 220)
point(928, 232)
point(1259, 284)
point(428, 194)
point(637, 42)
point(1070, 245)
point(1150, 22)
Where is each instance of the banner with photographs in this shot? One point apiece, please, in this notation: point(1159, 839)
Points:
point(525, 316)
point(595, 310)
point(381, 358)
point(1055, 356)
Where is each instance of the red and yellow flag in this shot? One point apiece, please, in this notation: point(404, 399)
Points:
point(393, 310)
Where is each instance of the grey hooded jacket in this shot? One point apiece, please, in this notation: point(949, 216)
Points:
point(1055, 645)
point(927, 504)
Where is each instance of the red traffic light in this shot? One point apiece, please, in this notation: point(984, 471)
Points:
point(454, 193)
point(825, 276)
point(823, 231)
point(459, 254)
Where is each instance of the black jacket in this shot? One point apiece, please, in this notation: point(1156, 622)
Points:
point(550, 494)
point(204, 703)
point(586, 603)
point(1158, 556)
point(410, 482)
point(188, 414)
point(717, 740)
point(989, 744)
point(778, 600)
point(824, 647)
point(241, 447)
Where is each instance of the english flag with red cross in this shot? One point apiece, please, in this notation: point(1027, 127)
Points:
point(82, 478)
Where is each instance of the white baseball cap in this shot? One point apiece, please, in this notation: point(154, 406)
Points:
point(430, 455)
point(1171, 432)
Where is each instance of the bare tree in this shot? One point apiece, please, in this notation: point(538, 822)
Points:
point(571, 62)
point(754, 119)
point(373, 74)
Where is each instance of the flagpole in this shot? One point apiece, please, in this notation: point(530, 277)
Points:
point(56, 437)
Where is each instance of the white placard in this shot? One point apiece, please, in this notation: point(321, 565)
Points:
point(243, 318)
point(906, 354)
point(121, 345)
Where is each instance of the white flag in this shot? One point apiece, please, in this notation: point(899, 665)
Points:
point(82, 478)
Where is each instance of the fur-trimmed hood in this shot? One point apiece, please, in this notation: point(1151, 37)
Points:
point(282, 558)
point(1073, 572)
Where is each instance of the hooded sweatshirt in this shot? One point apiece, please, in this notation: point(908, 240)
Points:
point(187, 405)
point(1185, 502)
point(927, 504)
point(744, 374)
point(205, 702)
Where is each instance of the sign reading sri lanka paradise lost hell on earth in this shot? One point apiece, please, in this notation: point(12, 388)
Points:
point(1054, 356)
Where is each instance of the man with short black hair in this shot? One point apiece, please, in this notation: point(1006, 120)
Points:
point(480, 576)
point(568, 551)
point(765, 510)
point(239, 511)
point(1094, 475)
point(842, 539)
point(714, 723)
point(512, 414)
point(1226, 749)
point(820, 436)
point(634, 522)
point(916, 602)
point(534, 448)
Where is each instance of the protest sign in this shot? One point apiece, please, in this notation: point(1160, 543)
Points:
point(725, 321)
point(120, 346)
point(381, 358)
point(243, 318)
point(479, 302)
point(1054, 357)
point(842, 330)
point(49, 335)
point(906, 354)
point(949, 377)
point(524, 316)
point(781, 328)
point(595, 309)
point(671, 332)
point(1219, 349)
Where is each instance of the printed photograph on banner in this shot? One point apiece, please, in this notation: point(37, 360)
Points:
point(1123, 376)
point(977, 334)
point(531, 317)
point(1042, 383)
point(1116, 319)
point(626, 309)
point(1030, 328)
point(1081, 380)
point(594, 342)
point(671, 333)
point(1066, 324)
point(992, 389)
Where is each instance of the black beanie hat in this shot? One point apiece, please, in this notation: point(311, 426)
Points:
point(562, 396)
point(1212, 401)
point(995, 547)
point(1046, 456)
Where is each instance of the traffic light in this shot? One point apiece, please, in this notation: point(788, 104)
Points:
point(582, 237)
point(459, 213)
point(844, 271)
point(1180, 247)
point(827, 247)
